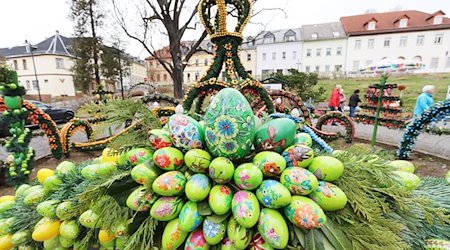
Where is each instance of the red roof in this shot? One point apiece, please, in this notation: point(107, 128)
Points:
point(163, 53)
point(386, 22)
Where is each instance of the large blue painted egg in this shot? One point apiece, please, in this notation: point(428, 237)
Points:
point(229, 125)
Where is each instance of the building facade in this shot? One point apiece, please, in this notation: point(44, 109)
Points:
point(278, 51)
point(410, 35)
point(136, 73)
point(46, 65)
point(247, 54)
point(324, 49)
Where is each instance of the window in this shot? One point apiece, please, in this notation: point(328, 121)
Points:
point(24, 64)
point(206, 62)
point(420, 40)
point(294, 55)
point(434, 62)
point(269, 38)
point(283, 55)
point(279, 71)
point(35, 84)
point(249, 57)
point(403, 23)
point(165, 77)
point(314, 36)
point(28, 86)
point(59, 63)
point(328, 53)
point(289, 38)
point(327, 68)
point(447, 64)
point(355, 66)
point(437, 20)
point(264, 55)
point(189, 77)
point(317, 69)
point(308, 52)
point(371, 25)
point(403, 41)
point(45, 80)
point(438, 39)
point(197, 62)
point(307, 69)
point(339, 51)
point(337, 68)
point(158, 78)
point(335, 34)
point(387, 42)
point(16, 66)
point(357, 44)
point(368, 62)
point(371, 43)
point(197, 75)
point(318, 52)
point(274, 55)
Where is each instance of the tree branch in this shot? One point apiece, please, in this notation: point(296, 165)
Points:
point(194, 48)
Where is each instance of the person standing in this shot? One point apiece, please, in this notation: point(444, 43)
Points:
point(353, 102)
point(335, 98)
point(342, 100)
point(424, 100)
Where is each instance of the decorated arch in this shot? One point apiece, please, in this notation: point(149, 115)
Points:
point(70, 128)
point(341, 119)
point(440, 111)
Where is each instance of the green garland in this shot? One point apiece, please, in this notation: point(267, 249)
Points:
point(342, 119)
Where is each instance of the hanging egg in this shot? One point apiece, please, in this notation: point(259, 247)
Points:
point(229, 125)
point(168, 158)
point(273, 194)
point(270, 163)
point(326, 168)
point(137, 156)
point(298, 156)
point(273, 228)
point(69, 229)
point(221, 170)
point(219, 199)
point(196, 241)
point(90, 219)
point(198, 187)
point(299, 181)
point(329, 196)
point(303, 139)
point(186, 133)
point(408, 180)
point(189, 218)
point(197, 160)
point(275, 135)
point(245, 208)
point(159, 138)
point(173, 237)
point(304, 213)
point(169, 184)
point(214, 231)
point(248, 176)
point(140, 199)
point(145, 173)
point(166, 208)
point(46, 229)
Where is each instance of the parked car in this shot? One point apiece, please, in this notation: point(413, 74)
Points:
point(57, 114)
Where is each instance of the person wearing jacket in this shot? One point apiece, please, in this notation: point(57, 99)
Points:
point(353, 102)
point(335, 98)
point(424, 100)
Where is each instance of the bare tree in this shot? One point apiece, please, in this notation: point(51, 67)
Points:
point(176, 18)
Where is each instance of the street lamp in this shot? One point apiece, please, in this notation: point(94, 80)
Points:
point(30, 49)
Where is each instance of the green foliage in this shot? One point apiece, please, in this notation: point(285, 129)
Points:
point(303, 84)
point(83, 66)
point(114, 63)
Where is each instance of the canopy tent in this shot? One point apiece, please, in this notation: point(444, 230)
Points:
point(392, 65)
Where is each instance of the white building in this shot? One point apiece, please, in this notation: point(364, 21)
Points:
point(247, 54)
point(278, 51)
point(410, 35)
point(51, 67)
point(137, 73)
point(324, 48)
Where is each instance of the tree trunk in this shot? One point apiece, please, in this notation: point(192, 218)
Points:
point(177, 73)
point(94, 44)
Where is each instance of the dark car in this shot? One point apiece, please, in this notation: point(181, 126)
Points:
point(57, 114)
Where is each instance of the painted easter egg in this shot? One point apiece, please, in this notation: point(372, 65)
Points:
point(6, 205)
point(173, 237)
point(270, 163)
point(408, 180)
point(137, 156)
point(186, 133)
point(21, 189)
point(197, 160)
point(65, 167)
point(326, 168)
point(248, 176)
point(299, 181)
point(196, 241)
point(69, 229)
point(145, 173)
point(402, 165)
point(64, 210)
point(304, 213)
point(273, 228)
point(66, 242)
point(198, 187)
point(303, 139)
point(219, 199)
point(229, 125)
point(90, 219)
point(20, 237)
point(329, 196)
point(189, 218)
point(245, 208)
point(52, 243)
point(46, 229)
point(239, 236)
point(169, 184)
point(275, 135)
point(35, 196)
point(273, 194)
point(51, 183)
point(166, 208)
point(159, 138)
point(258, 122)
point(47, 208)
point(221, 170)
point(226, 244)
point(259, 243)
point(168, 158)
point(298, 156)
point(214, 231)
point(5, 242)
point(141, 199)
point(43, 174)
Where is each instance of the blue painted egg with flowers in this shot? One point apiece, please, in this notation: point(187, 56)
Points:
point(214, 231)
point(185, 132)
point(189, 218)
point(229, 125)
point(273, 194)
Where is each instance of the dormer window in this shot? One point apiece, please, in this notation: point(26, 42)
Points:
point(437, 20)
point(371, 25)
point(403, 23)
point(269, 38)
point(314, 36)
point(336, 34)
point(289, 36)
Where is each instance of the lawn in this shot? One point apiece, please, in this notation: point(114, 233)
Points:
point(413, 84)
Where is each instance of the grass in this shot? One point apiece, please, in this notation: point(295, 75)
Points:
point(413, 84)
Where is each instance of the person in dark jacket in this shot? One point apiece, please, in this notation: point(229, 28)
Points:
point(353, 102)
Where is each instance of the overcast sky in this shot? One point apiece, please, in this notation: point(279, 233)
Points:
point(36, 20)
